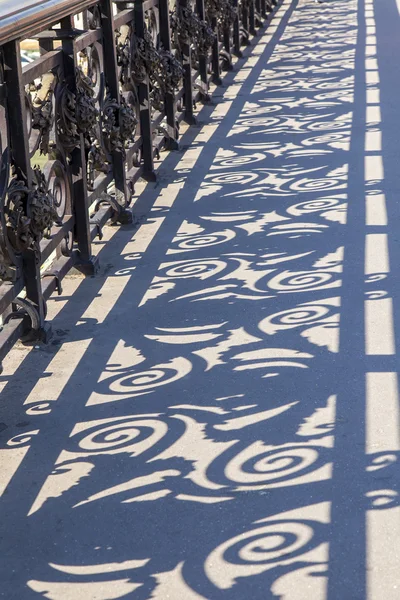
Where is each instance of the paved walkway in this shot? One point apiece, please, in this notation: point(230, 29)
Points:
point(217, 416)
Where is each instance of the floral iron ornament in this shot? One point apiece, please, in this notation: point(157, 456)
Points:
point(104, 131)
point(42, 111)
point(188, 28)
point(163, 70)
point(77, 112)
point(227, 15)
point(118, 124)
point(28, 216)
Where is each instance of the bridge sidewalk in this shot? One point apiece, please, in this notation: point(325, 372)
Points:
point(217, 414)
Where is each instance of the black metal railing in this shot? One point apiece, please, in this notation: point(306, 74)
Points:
point(83, 122)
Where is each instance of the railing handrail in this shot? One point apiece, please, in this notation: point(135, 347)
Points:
point(19, 19)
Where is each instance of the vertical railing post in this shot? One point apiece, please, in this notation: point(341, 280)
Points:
point(245, 19)
point(21, 162)
point(227, 47)
point(258, 10)
point(252, 18)
point(77, 164)
point(216, 68)
point(169, 100)
point(236, 33)
point(146, 130)
point(203, 58)
point(187, 73)
point(112, 83)
point(264, 14)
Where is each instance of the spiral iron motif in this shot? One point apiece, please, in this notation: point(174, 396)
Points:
point(18, 223)
point(59, 186)
point(29, 214)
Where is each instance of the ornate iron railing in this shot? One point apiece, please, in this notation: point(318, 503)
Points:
point(113, 81)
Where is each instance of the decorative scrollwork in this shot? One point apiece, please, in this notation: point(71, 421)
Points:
point(17, 221)
point(152, 24)
point(172, 70)
point(162, 68)
point(123, 47)
point(145, 58)
point(213, 7)
point(42, 209)
point(188, 28)
point(104, 131)
point(138, 59)
point(224, 10)
point(59, 185)
point(29, 213)
point(6, 260)
point(42, 112)
point(206, 38)
point(185, 24)
point(66, 124)
point(77, 113)
point(86, 113)
point(118, 124)
point(227, 14)
point(127, 121)
point(110, 126)
point(97, 160)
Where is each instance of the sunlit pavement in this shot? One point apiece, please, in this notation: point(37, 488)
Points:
point(217, 414)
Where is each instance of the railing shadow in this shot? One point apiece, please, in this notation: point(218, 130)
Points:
point(212, 432)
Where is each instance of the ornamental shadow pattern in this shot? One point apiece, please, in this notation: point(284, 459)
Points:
point(206, 453)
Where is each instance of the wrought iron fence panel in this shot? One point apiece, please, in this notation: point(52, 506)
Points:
point(82, 122)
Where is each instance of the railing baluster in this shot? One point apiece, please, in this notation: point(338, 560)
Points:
point(216, 68)
point(21, 163)
point(245, 19)
point(169, 101)
point(252, 18)
point(87, 263)
point(111, 75)
point(187, 75)
point(203, 58)
point(236, 33)
point(227, 47)
point(144, 104)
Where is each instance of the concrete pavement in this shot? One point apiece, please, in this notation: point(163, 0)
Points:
point(217, 415)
